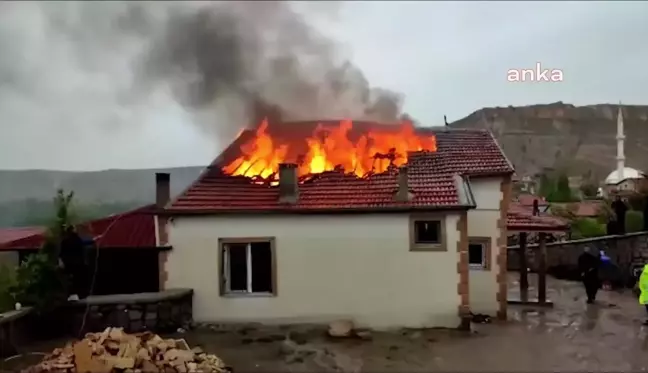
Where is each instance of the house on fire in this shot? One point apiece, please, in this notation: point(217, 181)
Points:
point(421, 245)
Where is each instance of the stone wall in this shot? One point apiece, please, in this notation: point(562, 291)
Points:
point(160, 312)
point(13, 325)
point(624, 250)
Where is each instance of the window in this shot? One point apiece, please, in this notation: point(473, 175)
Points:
point(427, 233)
point(248, 266)
point(479, 252)
point(476, 257)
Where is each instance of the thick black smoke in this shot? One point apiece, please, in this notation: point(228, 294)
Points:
point(229, 63)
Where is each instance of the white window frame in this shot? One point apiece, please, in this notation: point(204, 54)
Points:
point(481, 265)
point(226, 270)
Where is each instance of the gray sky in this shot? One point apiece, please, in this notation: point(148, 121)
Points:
point(62, 106)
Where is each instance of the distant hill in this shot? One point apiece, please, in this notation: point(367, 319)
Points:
point(92, 187)
point(579, 139)
point(25, 196)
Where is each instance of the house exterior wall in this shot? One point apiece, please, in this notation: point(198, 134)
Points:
point(327, 268)
point(485, 222)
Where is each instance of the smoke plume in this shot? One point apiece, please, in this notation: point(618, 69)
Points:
point(228, 63)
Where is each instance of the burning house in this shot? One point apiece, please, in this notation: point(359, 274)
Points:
point(387, 225)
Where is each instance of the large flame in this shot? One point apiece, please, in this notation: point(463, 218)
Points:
point(329, 148)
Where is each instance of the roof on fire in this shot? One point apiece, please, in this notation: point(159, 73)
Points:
point(432, 178)
point(131, 229)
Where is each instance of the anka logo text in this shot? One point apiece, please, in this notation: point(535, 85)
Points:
point(538, 74)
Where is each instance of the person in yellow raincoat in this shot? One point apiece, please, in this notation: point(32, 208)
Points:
point(643, 288)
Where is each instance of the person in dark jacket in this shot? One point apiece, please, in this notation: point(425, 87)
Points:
point(620, 208)
point(72, 256)
point(611, 226)
point(588, 265)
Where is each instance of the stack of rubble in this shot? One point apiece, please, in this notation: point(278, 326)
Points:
point(115, 351)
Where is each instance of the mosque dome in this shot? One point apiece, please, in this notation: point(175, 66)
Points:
point(628, 173)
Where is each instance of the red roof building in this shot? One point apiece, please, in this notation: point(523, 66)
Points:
point(412, 236)
point(132, 229)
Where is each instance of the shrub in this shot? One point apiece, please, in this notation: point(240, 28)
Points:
point(7, 283)
point(587, 227)
point(634, 221)
point(40, 283)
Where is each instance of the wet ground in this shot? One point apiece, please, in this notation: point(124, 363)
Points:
point(573, 336)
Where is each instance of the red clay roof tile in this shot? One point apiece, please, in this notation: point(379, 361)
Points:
point(431, 177)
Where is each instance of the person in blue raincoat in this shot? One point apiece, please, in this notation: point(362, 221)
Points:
point(608, 270)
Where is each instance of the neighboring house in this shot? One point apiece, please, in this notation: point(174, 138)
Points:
point(9, 235)
point(526, 201)
point(127, 261)
point(420, 246)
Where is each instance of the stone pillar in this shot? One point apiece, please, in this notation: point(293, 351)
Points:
point(524, 277)
point(542, 268)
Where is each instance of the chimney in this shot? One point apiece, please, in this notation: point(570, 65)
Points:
point(403, 193)
point(162, 189)
point(162, 197)
point(288, 187)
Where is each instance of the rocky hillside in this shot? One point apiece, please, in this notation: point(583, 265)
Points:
point(577, 138)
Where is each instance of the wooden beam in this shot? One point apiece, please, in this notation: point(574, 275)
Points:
point(524, 278)
point(542, 269)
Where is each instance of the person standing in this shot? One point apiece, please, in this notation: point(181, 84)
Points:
point(588, 265)
point(74, 263)
point(620, 208)
point(643, 288)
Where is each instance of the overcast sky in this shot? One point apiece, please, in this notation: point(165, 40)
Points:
point(447, 58)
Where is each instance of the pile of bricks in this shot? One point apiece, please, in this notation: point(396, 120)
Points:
point(115, 351)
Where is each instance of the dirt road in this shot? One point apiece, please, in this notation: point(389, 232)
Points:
point(572, 336)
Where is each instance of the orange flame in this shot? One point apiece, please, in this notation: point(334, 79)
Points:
point(328, 148)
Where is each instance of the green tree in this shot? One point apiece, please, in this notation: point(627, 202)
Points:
point(589, 190)
point(547, 185)
point(561, 191)
point(40, 281)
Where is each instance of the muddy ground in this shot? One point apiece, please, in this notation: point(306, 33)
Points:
point(573, 336)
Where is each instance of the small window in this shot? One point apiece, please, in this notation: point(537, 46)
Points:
point(479, 252)
point(476, 255)
point(247, 268)
point(427, 232)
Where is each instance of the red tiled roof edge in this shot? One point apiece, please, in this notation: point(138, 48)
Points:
point(512, 172)
point(323, 211)
point(520, 222)
point(134, 228)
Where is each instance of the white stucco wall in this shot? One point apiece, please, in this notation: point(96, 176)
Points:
point(329, 267)
point(482, 222)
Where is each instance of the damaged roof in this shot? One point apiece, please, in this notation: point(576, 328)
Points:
point(436, 179)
